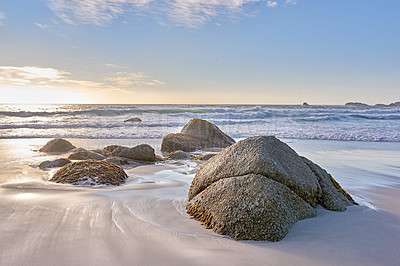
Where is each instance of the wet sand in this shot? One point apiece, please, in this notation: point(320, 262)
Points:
point(144, 222)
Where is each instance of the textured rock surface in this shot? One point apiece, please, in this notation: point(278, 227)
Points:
point(179, 155)
point(250, 207)
point(54, 163)
point(227, 187)
point(86, 155)
point(141, 152)
point(116, 160)
point(208, 156)
point(206, 130)
point(90, 173)
point(196, 134)
point(57, 145)
point(267, 156)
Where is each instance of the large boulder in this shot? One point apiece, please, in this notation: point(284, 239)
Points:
point(57, 145)
point(196, 134)
point(86, 155)
point(53, 163)
point(267, 162)
point(90, 173)
point(141, 152)
point(249, 207)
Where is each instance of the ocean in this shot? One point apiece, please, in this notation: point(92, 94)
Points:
point(344, 123)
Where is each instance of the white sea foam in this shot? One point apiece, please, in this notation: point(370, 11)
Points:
point(239, 121)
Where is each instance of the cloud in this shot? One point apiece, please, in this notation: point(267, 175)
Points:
point(291, 2)
point(53, 78)
point(188, 13)
point(2, 19)
point(272, 4)
point(42, 26)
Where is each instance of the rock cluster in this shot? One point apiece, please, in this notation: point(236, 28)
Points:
point(196, 134)
point(90, 172)
point(258, 188)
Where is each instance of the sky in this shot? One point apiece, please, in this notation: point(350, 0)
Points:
point(199, 52)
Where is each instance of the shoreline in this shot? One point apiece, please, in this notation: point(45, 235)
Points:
point(144, 221)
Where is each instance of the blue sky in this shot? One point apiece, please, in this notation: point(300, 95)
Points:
point(197, 51)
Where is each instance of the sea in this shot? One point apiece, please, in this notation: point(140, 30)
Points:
point(107, 121)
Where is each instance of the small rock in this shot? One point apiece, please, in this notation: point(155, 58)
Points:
point(135, 119)
point(86, 155)
point(111, 148)
point(142, 152)
point(208, 156)
point(54, 163)
point(179, 155)
point(57, 145)
point(90, 173)
point(116, 160)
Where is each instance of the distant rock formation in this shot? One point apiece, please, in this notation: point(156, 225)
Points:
point(258, 188)
point(57, 145)
point(356, 104)
point(90, 173)
point(135, 119)
point(53, 163)
point(196, 134)
point(305, 104)
point(396, 104)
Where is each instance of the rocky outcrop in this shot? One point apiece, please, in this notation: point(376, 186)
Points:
point(86, 155)
point(290, 186)
point(90, 173)
point(305, 104)
point(57, 145)
point(135, 119)
point(179, 155)
point(141, 152)
point(356, 104)
point(196, 134)
point(53, 163)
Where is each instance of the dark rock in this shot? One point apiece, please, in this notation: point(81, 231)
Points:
point(103, 152)
point(111, 148)
point(54, 163)
point(135, 119)
point(236, 173)
point(196, 134)
point(142, 152)
point(208, 156)
point(357, 104)
point(179, 155)
point(57, 145)
point(305, 104)
point(86, 155)
point(116, 160)
point(90, 173)
point(396, 104)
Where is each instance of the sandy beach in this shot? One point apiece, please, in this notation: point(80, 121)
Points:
point(144, 221)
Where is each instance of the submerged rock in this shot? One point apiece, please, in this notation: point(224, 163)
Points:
point(57, 145)
point(291, 186)
point(54, 163)
point(196, 134)
point(135, 119)
point(86, 155)
point(179, 155)
point(90, 173)
point(141, 152)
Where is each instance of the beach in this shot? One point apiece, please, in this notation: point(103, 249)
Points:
point(144, 222)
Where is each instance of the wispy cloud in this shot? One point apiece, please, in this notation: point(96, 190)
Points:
point(188, 13)
point(42, 26)
point(2, 19)
point(51, 77)
point(272, 4)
